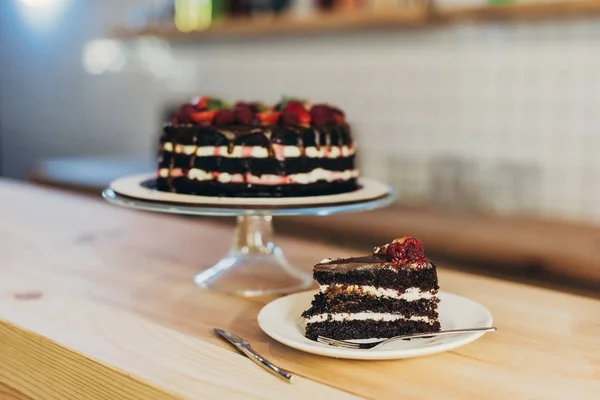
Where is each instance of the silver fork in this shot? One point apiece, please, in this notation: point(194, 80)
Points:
point(352, 345)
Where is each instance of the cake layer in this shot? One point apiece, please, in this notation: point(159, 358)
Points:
point(378, 275)
point(280, 151)
point(365, 316)
point(328, 303)
point(409, 294)
point(256, 166)
point(313, 176)
point(367, 329)
point(216, 188)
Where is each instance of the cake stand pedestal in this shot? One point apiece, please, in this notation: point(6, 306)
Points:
point(254, 265)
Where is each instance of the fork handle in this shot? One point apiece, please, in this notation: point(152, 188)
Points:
point(439, 333)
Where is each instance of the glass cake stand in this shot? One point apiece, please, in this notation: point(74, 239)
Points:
point(254, 264)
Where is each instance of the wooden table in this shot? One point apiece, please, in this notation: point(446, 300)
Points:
point(98, 302)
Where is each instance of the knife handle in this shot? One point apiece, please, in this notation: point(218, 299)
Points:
point(266, 364)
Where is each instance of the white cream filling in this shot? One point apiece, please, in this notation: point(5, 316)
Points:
point(365, 316)
point(199, 174)
point(410, 294)
point(302, 178)
point(262, 152)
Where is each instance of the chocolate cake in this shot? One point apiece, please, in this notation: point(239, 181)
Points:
point(389, 293)
point(211, 148)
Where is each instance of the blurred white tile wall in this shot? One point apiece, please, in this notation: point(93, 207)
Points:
point(499, 118)
point(495, 118)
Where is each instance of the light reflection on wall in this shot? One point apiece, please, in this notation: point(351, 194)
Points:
point(103, 55)
point(42, 14)
point(150, 56)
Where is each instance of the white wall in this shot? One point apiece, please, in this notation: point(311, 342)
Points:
point(511, 108)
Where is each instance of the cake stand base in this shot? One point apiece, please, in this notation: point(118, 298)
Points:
point(254, 265)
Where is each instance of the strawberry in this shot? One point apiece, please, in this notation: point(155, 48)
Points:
point(303, 117)
point(200, 102)
point(204, 117)
point(295, 106)
point(268, 117)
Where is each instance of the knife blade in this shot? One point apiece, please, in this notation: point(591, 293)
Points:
point(244, 347)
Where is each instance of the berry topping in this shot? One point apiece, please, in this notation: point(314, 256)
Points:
point(289, 118)
point(289, 111)
point(255, 106)
point(182, 116)
point(243, 114)
point(200, 102)
point(339, 116)
point(297, 108)
point(402, 251)
point(224, 117)
point(204, 117)
point(217, 104)
point(322, 114)
point(268, 117)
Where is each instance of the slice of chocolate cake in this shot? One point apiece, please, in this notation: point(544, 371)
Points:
point(389, 293)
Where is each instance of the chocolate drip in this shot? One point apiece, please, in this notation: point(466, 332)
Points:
point(175, 142)
point(269, 136)
point(317, 139)
point(230, 136)
point(328, 139)
point(301, 145)
point(340, 137)
point(193, 155)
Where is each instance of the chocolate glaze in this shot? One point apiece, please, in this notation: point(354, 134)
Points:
point(265, 136)
point(364, 262)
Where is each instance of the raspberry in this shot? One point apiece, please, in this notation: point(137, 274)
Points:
point(243, 114)
point(322, 114)
point(183, 115)
point(224, 117)
point(406, 250)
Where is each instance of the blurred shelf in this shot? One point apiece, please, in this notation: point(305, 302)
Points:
point(357, 21)
point(265, 26)
point(524, 11)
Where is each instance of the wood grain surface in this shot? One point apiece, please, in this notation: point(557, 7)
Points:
point(98, 302)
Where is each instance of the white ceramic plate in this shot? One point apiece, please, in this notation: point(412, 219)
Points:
point(133, 186)
point(280, 319)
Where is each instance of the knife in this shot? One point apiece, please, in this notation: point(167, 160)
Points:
point(244, 347)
